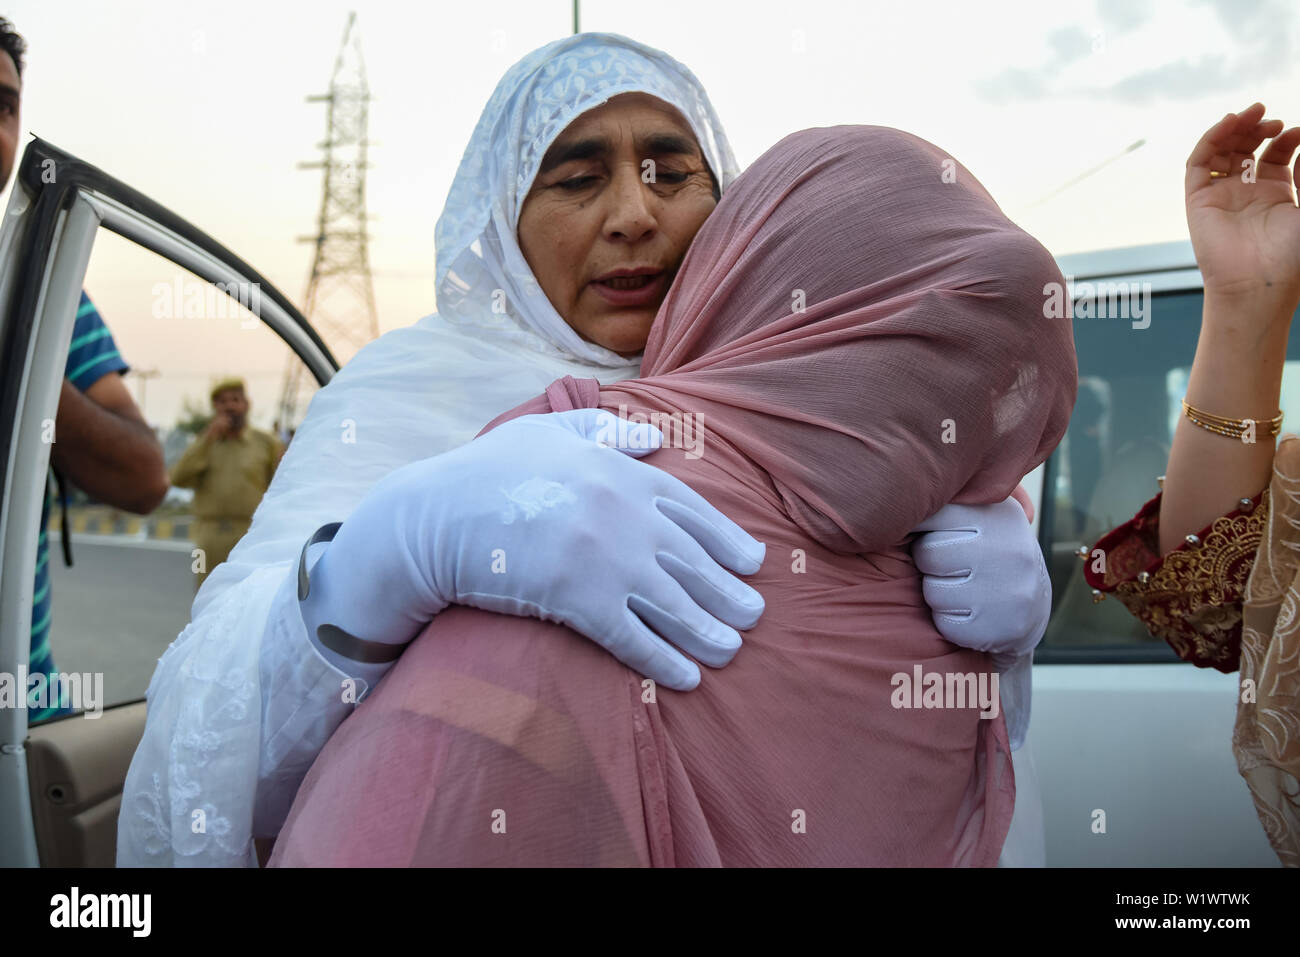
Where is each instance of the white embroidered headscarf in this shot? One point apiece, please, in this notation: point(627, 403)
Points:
point(477, 247)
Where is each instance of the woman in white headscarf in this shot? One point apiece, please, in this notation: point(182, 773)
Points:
point(272, 661)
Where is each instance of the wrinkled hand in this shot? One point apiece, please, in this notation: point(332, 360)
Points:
point(1246, 235)
point(984, 577)
point(539, 518)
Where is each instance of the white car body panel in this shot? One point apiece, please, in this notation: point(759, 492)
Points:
point(1148, 744)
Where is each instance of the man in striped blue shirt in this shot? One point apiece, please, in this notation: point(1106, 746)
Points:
point(102, 443)
point(92, 376)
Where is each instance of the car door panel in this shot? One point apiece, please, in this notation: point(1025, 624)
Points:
point(1137, 770)
point(76, 768)
point(1133, 746)
point(34, 339)
point(61, 781)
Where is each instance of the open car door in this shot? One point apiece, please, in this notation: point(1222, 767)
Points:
point(61, 782)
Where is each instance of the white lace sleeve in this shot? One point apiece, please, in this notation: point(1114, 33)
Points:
point(189, 793)
point(304, 699)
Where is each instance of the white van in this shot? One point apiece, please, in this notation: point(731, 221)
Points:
point(1132, 745)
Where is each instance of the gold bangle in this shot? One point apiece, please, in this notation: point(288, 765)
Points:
point(1223, 420)
point(1231, 432)
point(1233, 428)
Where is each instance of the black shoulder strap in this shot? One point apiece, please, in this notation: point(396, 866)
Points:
point(65, 531)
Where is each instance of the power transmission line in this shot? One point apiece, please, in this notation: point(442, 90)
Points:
point(1088, 172)
point(340, 300)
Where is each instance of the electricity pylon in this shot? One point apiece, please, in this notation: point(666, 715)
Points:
point(340, 300)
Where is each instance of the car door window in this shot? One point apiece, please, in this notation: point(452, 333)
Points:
point(56, 806)
point(133, 577)
point(165, 289)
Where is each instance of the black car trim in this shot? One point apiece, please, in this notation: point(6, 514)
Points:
point(71, 173)
point(27, 285)
point(49, 199)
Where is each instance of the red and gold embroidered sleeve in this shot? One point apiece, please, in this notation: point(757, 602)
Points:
point(1191, 597)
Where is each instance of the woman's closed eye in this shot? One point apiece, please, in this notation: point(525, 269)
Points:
point(652, 176)
point(670, 181)
point(576, 183)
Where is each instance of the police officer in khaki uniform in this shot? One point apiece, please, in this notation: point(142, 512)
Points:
point(229, 467)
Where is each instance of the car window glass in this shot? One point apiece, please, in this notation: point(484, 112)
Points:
point(1131, 383)
point(128, 592)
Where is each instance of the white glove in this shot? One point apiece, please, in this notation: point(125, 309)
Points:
point(987, 586)
point(540, 518)
point(984, 577)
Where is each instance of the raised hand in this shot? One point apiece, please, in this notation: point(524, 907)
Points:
point(1242, 213)
point(1245, 228)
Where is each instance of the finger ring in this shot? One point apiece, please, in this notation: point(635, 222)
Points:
point(1215, 174)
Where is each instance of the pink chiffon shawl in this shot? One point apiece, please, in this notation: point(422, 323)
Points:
point(860, 334)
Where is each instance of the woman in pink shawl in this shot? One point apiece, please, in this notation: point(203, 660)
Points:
point(856, 338)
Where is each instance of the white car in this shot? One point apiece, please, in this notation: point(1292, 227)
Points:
point(1131, 745)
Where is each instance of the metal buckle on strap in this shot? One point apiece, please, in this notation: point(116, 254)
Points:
point(331, 636)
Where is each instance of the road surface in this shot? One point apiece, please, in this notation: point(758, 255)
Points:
point(118, 608)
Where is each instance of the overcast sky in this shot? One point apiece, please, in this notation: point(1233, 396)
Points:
point(202, 107)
